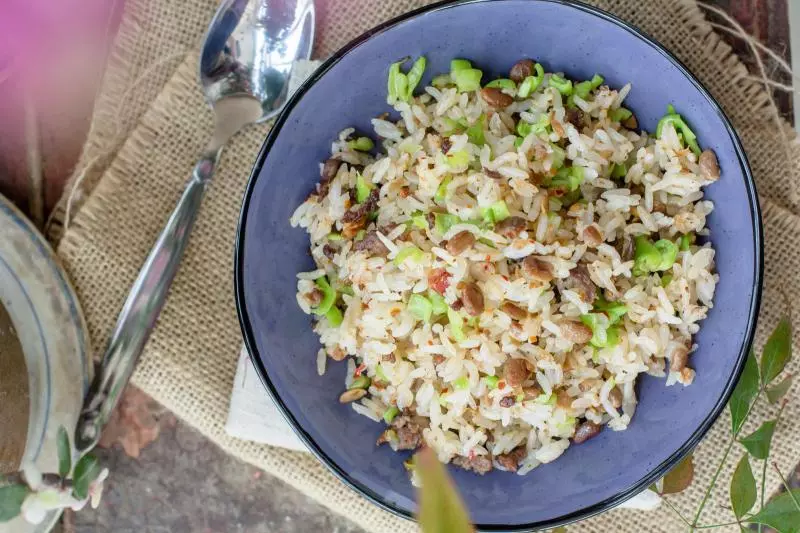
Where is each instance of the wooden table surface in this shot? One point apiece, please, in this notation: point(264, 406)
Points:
point(60, 105)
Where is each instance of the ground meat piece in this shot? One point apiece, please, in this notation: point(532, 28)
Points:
point(631, 123)
point(511, 227)
point(508, 401)
point(329, 251)
point(709, 166)
point(536, 269)
point(439, 280)
point(405, 191)
point(361, 210)
point(575, 331)
point(586, 431)
point(409, 432)
point(371, 244)
point(337, 354)
point(591, 235)
point(472, 298)
point(446, 144)
point(457, 305)
point(510, 461)
point(575, 117)
point(461, 241)
point(515, 312)
point(521, 70)
point(493, 174)
point(515, 372)
point(314, 297)
point(480, 464)
point(329, 171)
point(563, 399)
point(496, 98)
point(388, 357)
point(580, 282)
point(438, 359)
point(679, 359)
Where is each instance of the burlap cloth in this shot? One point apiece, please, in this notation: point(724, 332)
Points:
point(148, 127)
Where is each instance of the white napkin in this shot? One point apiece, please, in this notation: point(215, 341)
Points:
point(254, 416)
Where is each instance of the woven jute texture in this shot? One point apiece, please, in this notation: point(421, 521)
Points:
point(148, 128)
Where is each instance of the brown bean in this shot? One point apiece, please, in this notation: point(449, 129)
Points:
point(576, 332)
point(615, 397)
point(510, 461)
point(352, 395)
point(581, 282)
point(515, 312)
point(372, 244)
point(709, 166)
point(493, 174)
point(515, 372)
point(563, 399)
point(507, 401)
point(679, 360)
point(461, 241)
point(314, 297)
point(472, 298)
point(586, 431)
point(631, 123)
point(521, 70)
point(536, 269)
point(511, 227)
point(496, 98)
point(532, 392)
point(592, 236)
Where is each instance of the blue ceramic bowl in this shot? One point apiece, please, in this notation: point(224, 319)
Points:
point(349, 89)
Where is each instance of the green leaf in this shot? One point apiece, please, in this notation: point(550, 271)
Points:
point(680, 477)
point(64, 452)
point(774, 394)
point(11, 498)
point(777, 351)
point(440, 507)
point(757, 443)
point(744, 392)
point(781, 513)
point(86, 471)
point(743, 488)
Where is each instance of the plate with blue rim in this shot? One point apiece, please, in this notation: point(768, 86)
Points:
point(49, 324)
point(347, 91)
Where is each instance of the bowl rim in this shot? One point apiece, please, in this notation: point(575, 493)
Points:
point(655, 473)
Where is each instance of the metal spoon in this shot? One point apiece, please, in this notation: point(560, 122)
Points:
point(245, 65)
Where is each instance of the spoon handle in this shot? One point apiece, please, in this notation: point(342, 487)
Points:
point(142, 307)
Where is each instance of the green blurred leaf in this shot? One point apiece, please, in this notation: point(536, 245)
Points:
point(777, 351)
point(774, 394)
point(758, 442)
point(743, 488)
point(440, 507)
point(64, 452)
point(680, 477)
point(86, 471)
point(744, 392)
point(11, 498)
point(781, 513)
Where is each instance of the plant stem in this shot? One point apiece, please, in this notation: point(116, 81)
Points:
point(717, 472)
point(764, 466)
point(786, 486)
point(677, 512)
point(712, 526)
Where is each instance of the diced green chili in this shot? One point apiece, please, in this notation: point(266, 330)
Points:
point(334, 316)
point(561, 84)
point(456, 324)
point(409, 252)
point(398, 83)
point(499, 211)
point(328, 296)
point(530, 84)
point(646, 257)
point(684, 242)
point(420, 307)
point(362, 144)
point(381, 375)
point(419, 220)
point(461, 383)
point(467, 79)
point(491, 381)
point(441, 190)
point(438, 305)
point(583, 89)
point(597, 81)
point(459, 64)
point(614, 310)
point(334, 236)
point(444, 221)
point(619, 170)
point(415, 75)
point(668, 251)
point(524, 128)
point(620, 114)
point(456, 126)
point(458, 159)
point(390, 414)
point(603, 336)
point(567, 178)
point(502, 83)
point(666, 279)
point(361, 382)
point(518, 142)
point(681, 127)
point(475, 132)
point(362, 189)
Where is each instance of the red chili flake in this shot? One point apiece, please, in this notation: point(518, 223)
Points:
point(439, 280)
point(501, 384)
point(360, 369)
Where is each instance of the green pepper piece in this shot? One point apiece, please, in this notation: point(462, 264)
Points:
point(461, 383)
point(362, 189)
point(619, 170)
point(334, 316)
point(390, 414)
point(475, 132)
point(668, 251)
point(530, 84)
point(328, 296)
point(412, 252)
point(646, 257)
point(491, 381)
point(444, 221)
point(397, 84)
point(441, 190)
point(456, 324)
point(361, 382)
point(334, 236)
point(620, 114)
point(438, 305)
point(666, 279)
point(681, 127)
point(458, 159)
point(502, 83)
point(419, 220)
point(459, 64)
point(362, 144)
point(415, 76)
point(597, 81)
point(614, 310)
point(442, 80)
point(420, 307)
point(684, 242)
point(559, 155)
point(561, 84)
